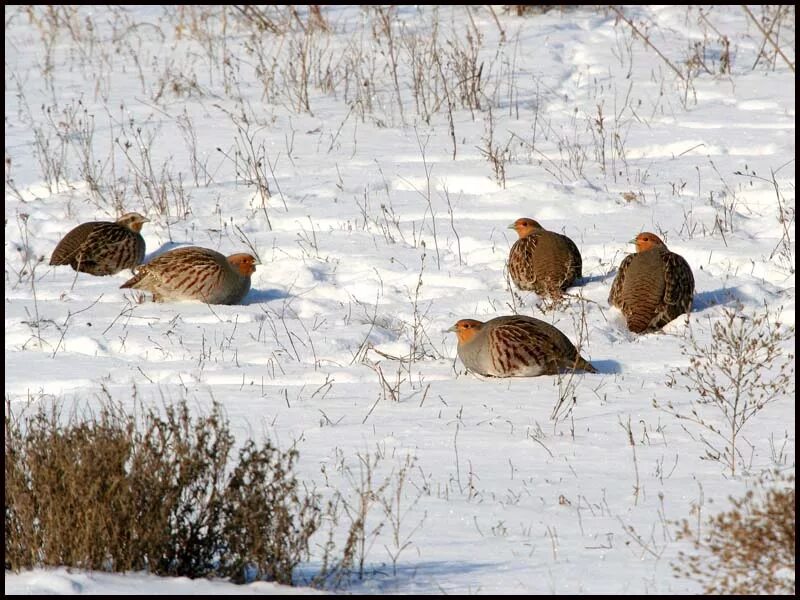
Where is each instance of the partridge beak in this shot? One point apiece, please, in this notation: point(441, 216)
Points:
point(452, 329)
point(633, 241)
point(512, 226)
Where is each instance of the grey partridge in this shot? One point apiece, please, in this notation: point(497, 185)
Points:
point(195, 273)
point(543, 261)
point(652, 286)
point(103, 247)
point(516, 346)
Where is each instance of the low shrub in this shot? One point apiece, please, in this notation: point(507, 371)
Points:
point(749, 549)
point(158, 493)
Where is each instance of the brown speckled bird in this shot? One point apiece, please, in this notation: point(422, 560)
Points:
point(194, 273)
point(103, 247)
point(516, 346)
point(653, 286)
point(543, 261)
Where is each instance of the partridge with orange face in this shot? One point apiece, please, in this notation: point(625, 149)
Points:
point(195, 273)
point(103, 247)
point(543, 261)
point(653, 286)
point(516, 346)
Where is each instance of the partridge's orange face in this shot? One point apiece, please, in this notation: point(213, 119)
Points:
point(244, 263)
point(646, 240)
point(133, 221)
point(525, 226)
point(466, 329)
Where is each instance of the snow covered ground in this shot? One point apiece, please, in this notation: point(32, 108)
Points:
point(385, 221)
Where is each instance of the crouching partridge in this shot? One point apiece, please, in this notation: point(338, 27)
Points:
point(195, 273)
point(543, 261)
point(103, 247)
point(652, 286)
point(516, 346)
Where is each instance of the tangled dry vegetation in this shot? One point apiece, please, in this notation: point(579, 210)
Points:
point(749, 549)
point(114, 492)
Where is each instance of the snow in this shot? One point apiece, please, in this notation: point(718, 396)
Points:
point(375, 240)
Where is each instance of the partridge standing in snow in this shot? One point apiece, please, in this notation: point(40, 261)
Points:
point(195, 273)
point(653, 286)
point(543, 261)
point(516, 346)
point(103, 247)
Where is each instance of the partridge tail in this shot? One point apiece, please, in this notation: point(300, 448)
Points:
point(583, 365)
point(638, 323)
point(131, 283)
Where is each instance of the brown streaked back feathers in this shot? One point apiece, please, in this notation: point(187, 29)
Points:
point(516, 346)
point(103, 247)
point(195, 273)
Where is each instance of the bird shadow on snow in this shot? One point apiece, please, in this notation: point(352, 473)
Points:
point(722, 296)
point(259, 296)
point(606, 367)
point(583, 281)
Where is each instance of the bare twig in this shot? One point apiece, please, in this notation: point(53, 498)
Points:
point(647, 41)
point(768, 37)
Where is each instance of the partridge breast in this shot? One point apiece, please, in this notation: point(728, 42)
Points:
point(543, 261)
point(653, 286)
